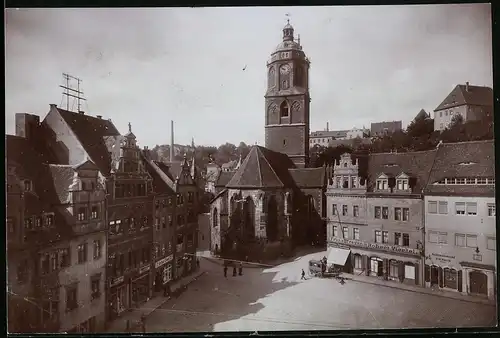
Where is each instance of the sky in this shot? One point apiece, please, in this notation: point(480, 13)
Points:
point(153, 65)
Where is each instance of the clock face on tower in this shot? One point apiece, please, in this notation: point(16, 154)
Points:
point(285, 69)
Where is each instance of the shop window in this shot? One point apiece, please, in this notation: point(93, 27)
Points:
point(409, 272)
point(450, 278)
point(358, 262)
point(393, 269)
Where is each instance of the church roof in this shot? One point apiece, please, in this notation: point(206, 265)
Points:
point(467, 94)
point(263, 168)
point(308, 177)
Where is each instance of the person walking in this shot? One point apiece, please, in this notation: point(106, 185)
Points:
point(303, 275)
point(240, 268)
point(234, 270)
point(225, 271)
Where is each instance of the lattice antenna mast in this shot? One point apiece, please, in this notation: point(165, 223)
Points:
point(71, 92)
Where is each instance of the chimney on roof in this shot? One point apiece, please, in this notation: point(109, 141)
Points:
point(99, 117)
point(467, 86)
point(81, 112)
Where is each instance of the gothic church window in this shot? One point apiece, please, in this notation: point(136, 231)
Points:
point(284, 110)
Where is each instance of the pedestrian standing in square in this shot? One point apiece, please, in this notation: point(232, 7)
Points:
point(225, 271)
point(234, 270)
point(240, 268)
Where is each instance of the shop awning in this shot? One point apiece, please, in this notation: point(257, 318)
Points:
point(337, 256)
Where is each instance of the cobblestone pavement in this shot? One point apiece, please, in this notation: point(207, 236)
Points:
point(276, 299)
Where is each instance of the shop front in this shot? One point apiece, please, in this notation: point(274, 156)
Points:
point(163, 273)
point(118, 297)
point(386, 266)
point(339, 258)
point(141, 286)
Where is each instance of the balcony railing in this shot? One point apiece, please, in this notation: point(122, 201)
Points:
point(376, 246)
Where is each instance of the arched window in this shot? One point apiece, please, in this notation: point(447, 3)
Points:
point(284, 109)
point(215, 218)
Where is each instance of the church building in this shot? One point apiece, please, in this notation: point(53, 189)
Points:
point(274, 201)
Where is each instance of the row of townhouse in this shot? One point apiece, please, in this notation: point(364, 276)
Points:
point(95, 227)
point(424, 218)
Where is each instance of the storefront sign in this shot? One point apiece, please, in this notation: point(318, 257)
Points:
point(477, 257)
point(163, 261)
point(377, 246)
point(117, 280)
point(144, 269)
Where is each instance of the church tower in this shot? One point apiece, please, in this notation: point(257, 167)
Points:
point(287, 100)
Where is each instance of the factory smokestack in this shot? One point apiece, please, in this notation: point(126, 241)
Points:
point(171, 141)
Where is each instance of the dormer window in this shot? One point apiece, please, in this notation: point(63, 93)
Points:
point(402, 182)
point(382, 183)
point(345, 182)
point(81, 214)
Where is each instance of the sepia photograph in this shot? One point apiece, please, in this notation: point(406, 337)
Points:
point(247, 169)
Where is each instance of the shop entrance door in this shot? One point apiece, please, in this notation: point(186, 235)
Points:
point(478, 283)
point(434, 275)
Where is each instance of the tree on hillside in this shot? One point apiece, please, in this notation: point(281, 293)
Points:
point(332, 154)
point(243, 150)
point(314, 153)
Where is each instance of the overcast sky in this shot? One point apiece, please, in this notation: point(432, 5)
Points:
point(150, 66)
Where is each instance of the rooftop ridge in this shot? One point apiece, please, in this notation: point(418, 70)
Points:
point(270, 166)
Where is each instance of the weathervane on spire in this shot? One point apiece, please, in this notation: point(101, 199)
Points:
point(288, 18)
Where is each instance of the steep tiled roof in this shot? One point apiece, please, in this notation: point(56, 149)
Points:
point(90, 131)
point(174, 168)
point(421, 114)
point(473, 159)
point(263, 168)
point(63, 176)
point(161, 169)
point(475, 95)
point(224, 178)
point(308, 177)
point(417, 165)
point(33, 165)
